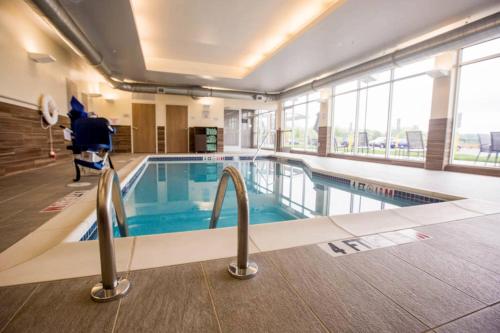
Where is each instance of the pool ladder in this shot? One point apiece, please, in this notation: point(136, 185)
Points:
point(109, 196)
point(243, 268)
point(110, 201)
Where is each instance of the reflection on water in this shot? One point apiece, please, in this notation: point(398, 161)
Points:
point(171, 197)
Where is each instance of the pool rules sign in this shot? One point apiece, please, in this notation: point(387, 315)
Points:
point(372, 242)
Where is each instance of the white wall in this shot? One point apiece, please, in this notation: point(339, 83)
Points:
point(22, 31)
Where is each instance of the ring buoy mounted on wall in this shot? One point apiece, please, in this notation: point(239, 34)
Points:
point(50, 112)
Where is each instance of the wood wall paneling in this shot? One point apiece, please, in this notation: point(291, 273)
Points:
point(24, 144)
point(161, 139)
point(324, 140)
point(438, 144)
point(122, 139)
point(220, 140)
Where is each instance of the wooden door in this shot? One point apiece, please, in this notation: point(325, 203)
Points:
point(144, 128)
point(177, 128)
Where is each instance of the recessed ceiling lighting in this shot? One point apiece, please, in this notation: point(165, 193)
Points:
point(276, 30)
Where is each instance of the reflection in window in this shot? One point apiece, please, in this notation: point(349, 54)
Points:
point(362, 112)
point(477, 121)
point(264, 125)
point(411, 111)
point(301, 123)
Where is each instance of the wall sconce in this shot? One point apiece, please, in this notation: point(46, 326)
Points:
point(41, 58)
point(109, 98)
point(437, 73)
point(206, 111)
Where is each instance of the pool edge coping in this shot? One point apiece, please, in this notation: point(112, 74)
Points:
point(125, 178)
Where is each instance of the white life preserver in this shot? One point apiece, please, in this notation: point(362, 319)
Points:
point(50, 112)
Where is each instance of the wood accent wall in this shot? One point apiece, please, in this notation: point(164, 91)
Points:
point(122, 139)
point(24, 144)
point(161, 139)
point(438, 144)
point(324, 140)
point(220, 140)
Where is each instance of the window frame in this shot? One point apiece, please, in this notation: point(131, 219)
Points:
point(457, 71)
point(291, 107)
point(391, 82)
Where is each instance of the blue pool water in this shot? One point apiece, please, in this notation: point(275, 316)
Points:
point(178, 196)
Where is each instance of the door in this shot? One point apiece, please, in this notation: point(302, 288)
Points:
point(231, 129)
point(144, 128)
point(177, 128)
point(247, 117)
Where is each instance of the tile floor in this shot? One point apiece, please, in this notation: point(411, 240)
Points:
point(449, 283)
point(413, 287)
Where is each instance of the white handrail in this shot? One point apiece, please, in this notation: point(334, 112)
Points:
point(260, 146)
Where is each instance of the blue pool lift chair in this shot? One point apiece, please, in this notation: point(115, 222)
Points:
point(90, 139)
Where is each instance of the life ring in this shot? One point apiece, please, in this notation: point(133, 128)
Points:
point(50, 112)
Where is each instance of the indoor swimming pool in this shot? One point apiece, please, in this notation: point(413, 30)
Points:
point(176, 196)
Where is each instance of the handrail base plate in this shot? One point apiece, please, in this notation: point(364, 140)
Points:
point(100, 295)
point(243, 273)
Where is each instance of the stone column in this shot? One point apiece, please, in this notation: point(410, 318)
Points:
point(325, 122)
point(440, 123)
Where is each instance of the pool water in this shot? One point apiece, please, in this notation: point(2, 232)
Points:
point(179, 196)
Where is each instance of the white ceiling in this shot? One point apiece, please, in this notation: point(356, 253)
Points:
point(223, 31)
point(212, 38)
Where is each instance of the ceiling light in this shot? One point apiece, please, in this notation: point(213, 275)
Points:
point(275, 32)
point(41, 58)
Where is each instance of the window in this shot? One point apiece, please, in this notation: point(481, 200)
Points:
point(301, 123)
point(264, 125)
point(477, 119)
point(375, 114)
point(411, 111)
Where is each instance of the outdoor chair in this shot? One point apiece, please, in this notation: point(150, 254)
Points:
point(484, 145)
point(415, 142)
point(363, 142)
point(495, 146)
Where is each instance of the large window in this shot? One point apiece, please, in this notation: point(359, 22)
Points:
point(384, 114)
point(477, 120)
point(264, 125)
point(301, 123)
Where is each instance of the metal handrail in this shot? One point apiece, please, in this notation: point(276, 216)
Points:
point(260, 146)
point(242, 268)
point(109, 202)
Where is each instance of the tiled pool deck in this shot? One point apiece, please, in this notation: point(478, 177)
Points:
point(450, 281)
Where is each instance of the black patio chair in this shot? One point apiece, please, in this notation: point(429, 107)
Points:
point(484, 145)
point(363, 142)
point(495, 146)
point(415, 142)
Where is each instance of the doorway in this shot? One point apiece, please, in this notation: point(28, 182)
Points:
point(247, 117)
point(177, 128)
point(144, 128)
point(231, 129)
